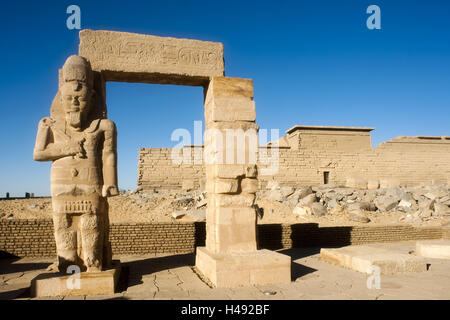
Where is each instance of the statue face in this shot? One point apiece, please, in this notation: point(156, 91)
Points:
point(76, 100)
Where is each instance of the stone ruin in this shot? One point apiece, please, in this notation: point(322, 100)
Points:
point(81, 142)
point(314, 155)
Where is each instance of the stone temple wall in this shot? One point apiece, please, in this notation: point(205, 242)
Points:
point(305, 157)
point(157, 170)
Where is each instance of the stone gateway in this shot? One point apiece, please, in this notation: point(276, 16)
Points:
point(81, 142)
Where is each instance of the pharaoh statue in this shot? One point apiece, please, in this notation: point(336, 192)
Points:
point(81, 143)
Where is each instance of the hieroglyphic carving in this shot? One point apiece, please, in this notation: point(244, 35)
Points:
point(159, 53)
point(125, 52)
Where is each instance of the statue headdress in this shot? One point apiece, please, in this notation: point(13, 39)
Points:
point(77, 68)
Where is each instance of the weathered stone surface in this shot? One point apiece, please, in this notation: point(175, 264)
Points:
point(362, 258)
point(188, 185)
point(405, 204)
point(332, 203)
point(222, 106)
point(368, 206)
point(441, 209)
point(226, 185)
point(275, 195)
point(251, 171)
point(229, 171)
point(91, 283)
point(357, 183)
point(357, 215)
point(286, 191)
point(292, 200)
point(318, 209)
point(386, 203)
point(308, 200)
point(373, 184)
point(230, 109)
point(197, 214)
point(425, 213)
point(232, 87)
point(426, 204)
point(249, 185)
point(260, 267)
point(302, 211)
point(437, 192)
point(129, 57)
point(178, 214)
point(238, 200)
point(304, 191)
point(201, 201)
point(272, 185)
point(389, 183)
point(437, 249)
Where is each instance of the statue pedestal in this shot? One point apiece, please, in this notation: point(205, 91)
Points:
point(228, 270)
point(90, 283)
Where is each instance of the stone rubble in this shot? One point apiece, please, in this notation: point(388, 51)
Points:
point(414, 204)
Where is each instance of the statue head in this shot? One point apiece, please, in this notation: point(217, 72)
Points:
point(76, 91)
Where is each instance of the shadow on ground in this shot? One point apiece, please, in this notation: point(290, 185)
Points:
point(14, 294)
point(133, 271)
point(8, 266)
point(298, 270)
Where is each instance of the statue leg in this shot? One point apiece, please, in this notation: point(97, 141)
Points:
point(92, 241)
point(66, 241)
point(107, 250)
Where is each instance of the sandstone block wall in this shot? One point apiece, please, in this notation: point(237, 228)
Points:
point(410, 161)
point(157, 170)
point(34, 238)
point(312, 154)
point(27, 238)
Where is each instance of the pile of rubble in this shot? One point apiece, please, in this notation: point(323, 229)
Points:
point(325, 204)
point(413, 204)
point(178, 203)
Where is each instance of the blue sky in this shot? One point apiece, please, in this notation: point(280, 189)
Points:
point(312, 62)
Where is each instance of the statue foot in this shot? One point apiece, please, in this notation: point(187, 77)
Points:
point(53, 267)
point(94, 269)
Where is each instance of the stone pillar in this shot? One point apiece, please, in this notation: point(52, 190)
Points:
point(230, 257)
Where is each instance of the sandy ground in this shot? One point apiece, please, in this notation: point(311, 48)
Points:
point(125, 209)
point(166, 277)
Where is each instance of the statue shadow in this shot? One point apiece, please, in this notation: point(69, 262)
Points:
point(14, 294)
point(8, 264)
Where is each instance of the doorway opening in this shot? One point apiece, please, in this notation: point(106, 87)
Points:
point(326, 177)
point(145, 116)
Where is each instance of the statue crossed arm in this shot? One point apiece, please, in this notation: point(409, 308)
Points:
point(46, 149)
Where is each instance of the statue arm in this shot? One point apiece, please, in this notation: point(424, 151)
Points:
point(47, 150)
point(109, 159)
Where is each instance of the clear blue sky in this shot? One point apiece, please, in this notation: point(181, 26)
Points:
point(312, 62)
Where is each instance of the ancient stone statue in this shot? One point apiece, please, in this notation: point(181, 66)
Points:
point(81, 142)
